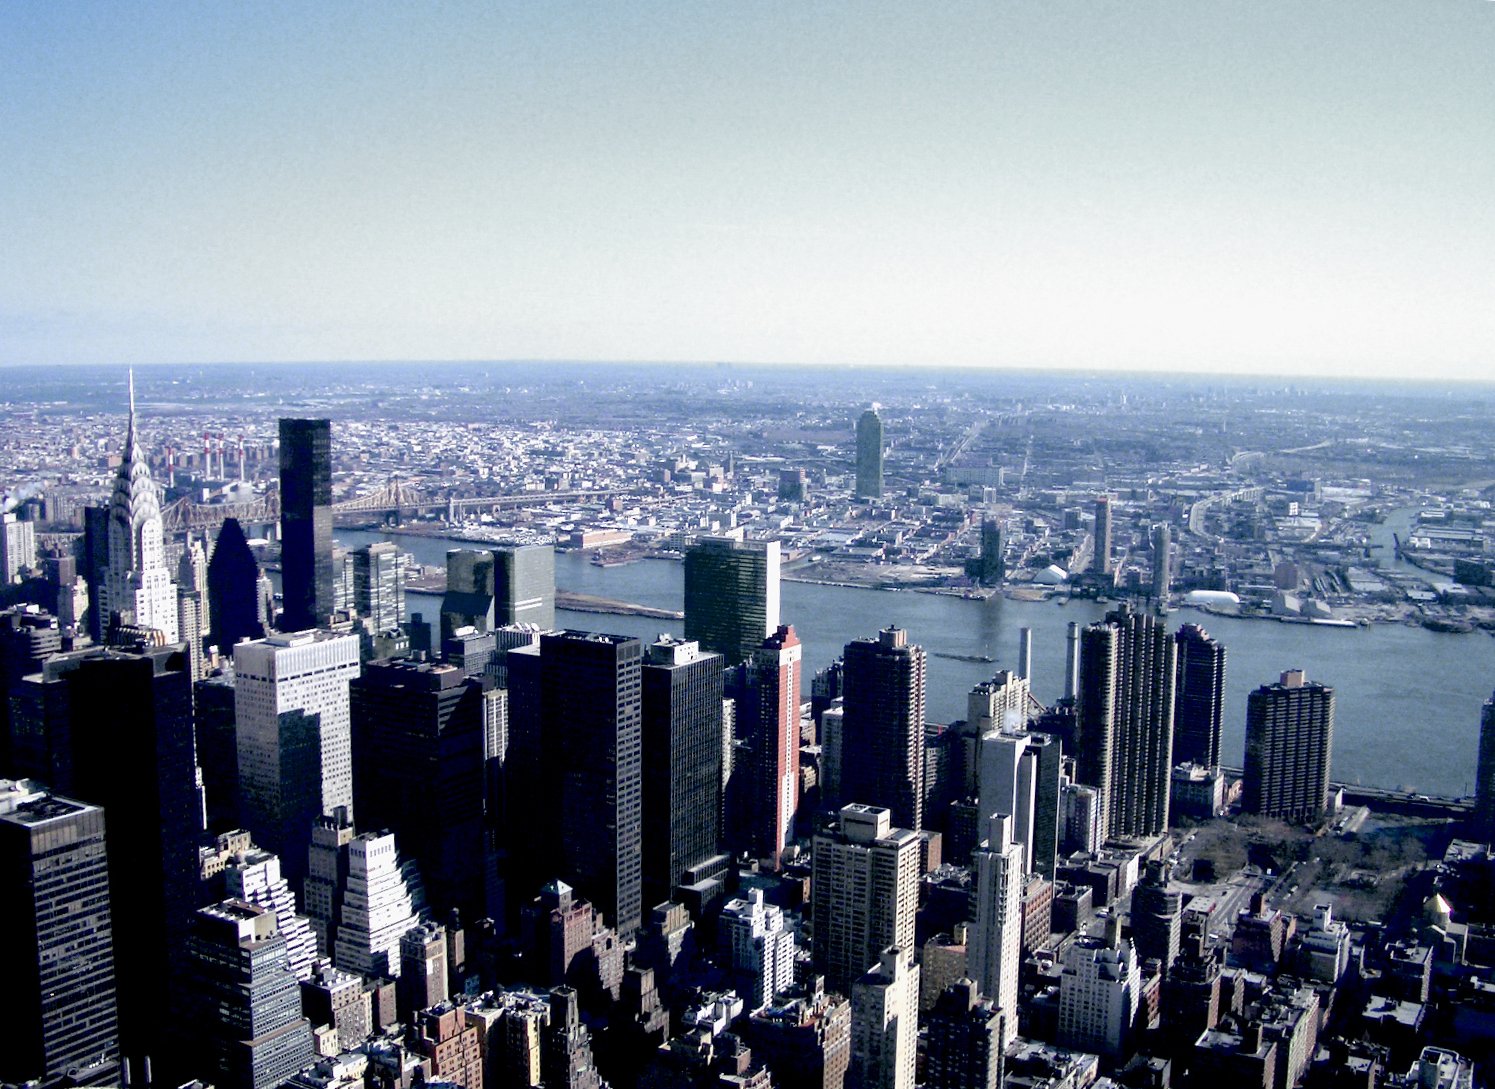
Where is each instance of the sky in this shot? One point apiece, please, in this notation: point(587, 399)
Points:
point(1244, 186)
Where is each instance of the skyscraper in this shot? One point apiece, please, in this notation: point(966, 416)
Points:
point(524, 585)
point(1098, 994)
point(869, 456)
point(1289, 738)
point(885, 1022)
point(56, 920)
point(137, 589)
point(882, 761)
point(1100, 561)
point(379, 586)
point(996, 938)
point(129, 723)
point(418, 771)
point(590, 768)
point(1157, 916)
point(1125, 722)
point(681, 762)
point(1484, 786)
point(193, 607)
point(468, 600)
point(252, 1031)
point(864, 890)
point(771, 727)
point(254, 877)
point(233, 589)
point(758, 948)
point(295, 748)
point(1199, 698)
point(327, 876)
point(306, 523)
point(1162, 561)
point(731, 595)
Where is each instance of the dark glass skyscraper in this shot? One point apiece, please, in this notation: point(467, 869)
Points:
point(1199, 698)
point(882, 762)
point(1100, 560)
point(591, 770)
point(524, 585)
point(1484, 786)
point(869, 456)
point(418, 772)
point(1289, 737)
point(682, 762)
point(306, 523)
point(731, 595)
point(233, 589)
point(55, 916)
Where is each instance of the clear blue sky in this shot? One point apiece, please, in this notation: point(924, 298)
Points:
point(1260, 185)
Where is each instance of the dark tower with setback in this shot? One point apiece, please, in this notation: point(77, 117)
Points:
point(306, 523)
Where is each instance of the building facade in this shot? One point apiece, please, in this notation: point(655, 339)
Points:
point(306, 523)
point(882, 747)
point(1289, 741)
point(731, 595)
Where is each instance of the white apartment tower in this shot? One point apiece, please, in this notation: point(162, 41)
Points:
point(885, 1023)
point(996, 940)
point(1098, 996)
point(864, 890)
point(295, 747)
point(254, 877)
point(759, 948)
point(137, 585)
point(379, 907)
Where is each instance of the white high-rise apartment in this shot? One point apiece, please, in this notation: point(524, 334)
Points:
point(137, 584)
point(379, 907)
point(295, 747)
point(1098, 996)
point(760, 949)
point(995, 950)
point(254, 876)
point(864, 890)
point(885, 1023)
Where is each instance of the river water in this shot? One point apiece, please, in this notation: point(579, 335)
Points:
point(1407, 700)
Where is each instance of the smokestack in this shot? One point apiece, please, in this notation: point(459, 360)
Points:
point(1025, 653)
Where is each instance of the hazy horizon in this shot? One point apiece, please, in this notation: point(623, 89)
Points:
point(1262, 189)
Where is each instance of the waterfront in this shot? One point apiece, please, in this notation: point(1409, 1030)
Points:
point(1407, 699)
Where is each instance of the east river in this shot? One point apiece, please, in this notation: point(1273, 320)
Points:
point(1407, 700)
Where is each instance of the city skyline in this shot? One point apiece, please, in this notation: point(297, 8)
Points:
point(1264, 189)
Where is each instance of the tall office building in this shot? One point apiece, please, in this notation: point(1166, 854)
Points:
point(251, 1029)
point(1099, 990)
point(1162, 561)
point(996, 937)
point(524, 585)
point(591, 775)
point(128, 718)
point(28, 637)
point(869, 456)
point(882, 761)
point(1072, 662)
point(758, 948)
point(1100, 561)
point(379, 586)
point(965, 1041)
point(885, 1022)
point(1125, 725)
point(681, 762)
point(327, 876)
point(989, 566)
point(137, 589)
point(233, 590)
point(1289, 739)
point(56, 920)
point(193, 608)
point(295, 748)
point(381, 900)
point(864, 890)
point(1199, 697)
point(771, 726)
point(1007, 784)
point(731, 595)
point(306, 523)
point(418, 771)
point(468, 600)
point(1484, 787)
